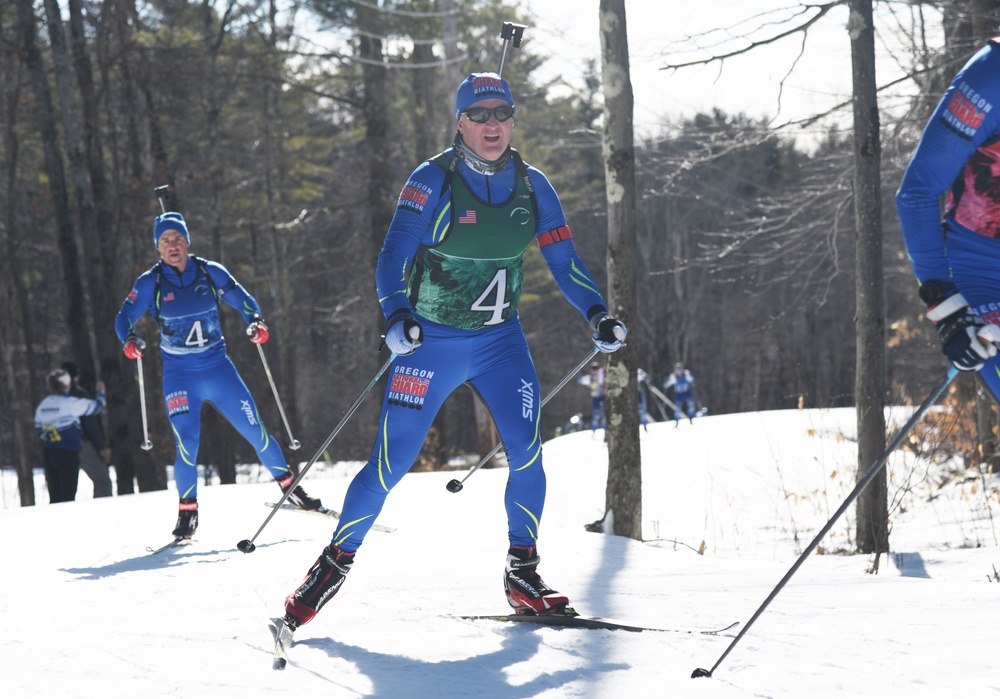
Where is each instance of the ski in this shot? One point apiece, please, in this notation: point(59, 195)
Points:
point(325, 512)
point(179, 541)
point(282, 634)
point(571, 619)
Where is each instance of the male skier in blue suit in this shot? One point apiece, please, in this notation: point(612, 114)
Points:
point(183, 293)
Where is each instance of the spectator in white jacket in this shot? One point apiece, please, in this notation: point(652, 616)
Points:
point(57, 423)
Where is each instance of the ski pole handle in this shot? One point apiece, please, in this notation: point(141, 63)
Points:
point(509, 33)
point(162, 192)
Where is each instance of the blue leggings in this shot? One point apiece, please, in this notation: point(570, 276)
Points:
point(185, 390)
point(497, 363)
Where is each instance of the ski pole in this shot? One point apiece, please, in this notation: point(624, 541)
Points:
point(456, 485)
point(293, 443)
point(161, 193)
point(146, 444)
point(662, 396)
point(247, 545)
point(510, 33)
point(862, 484)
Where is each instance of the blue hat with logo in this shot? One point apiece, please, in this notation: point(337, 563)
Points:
point(170, 221)
point(481, 86)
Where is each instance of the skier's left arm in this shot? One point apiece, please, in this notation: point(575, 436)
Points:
point(570, 273)
point(235, 295)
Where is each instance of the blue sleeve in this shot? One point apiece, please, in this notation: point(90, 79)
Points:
point(138, 301)
point(419, 210)
point(232, 292)
point(964, 119)
point(556, 244)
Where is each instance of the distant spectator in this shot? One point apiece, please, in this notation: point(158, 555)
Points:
point(57, 423)
point(95, 455)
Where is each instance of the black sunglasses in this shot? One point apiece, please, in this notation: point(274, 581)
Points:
point(481, 115)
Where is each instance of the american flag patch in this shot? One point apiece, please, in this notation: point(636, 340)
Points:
point(169, 297)
point(468, 216)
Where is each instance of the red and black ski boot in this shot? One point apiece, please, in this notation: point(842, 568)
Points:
point(527, 593)
point(187, 518)
point(320, 584)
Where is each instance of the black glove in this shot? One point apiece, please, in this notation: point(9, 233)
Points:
point(965, 339)
point(404, 334)
point(609, 333)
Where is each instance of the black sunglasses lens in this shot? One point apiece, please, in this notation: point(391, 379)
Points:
point(481, 115)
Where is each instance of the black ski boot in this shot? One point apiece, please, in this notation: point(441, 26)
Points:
point(187, 518)
point(298, 496)
point(527, 593)
point(320, 584)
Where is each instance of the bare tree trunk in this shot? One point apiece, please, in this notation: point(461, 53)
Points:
point(452, 71)
point(133, 466)
point(381, 188)
point(624, 489)
point(219, 448)
point(281, 289)
point(423, 102)
point(76, 308)
point(16, 318)
point(69, 112)
point(99, 233)
point(869, 390)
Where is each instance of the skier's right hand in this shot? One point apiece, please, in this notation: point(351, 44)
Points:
point(134, 347)
point(404, 334)
point(965, 339)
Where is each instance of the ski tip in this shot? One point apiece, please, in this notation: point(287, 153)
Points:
point(279, 664)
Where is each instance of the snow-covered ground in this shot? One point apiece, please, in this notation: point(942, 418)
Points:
point(88, 613)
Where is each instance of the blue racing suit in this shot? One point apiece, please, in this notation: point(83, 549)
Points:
point(453, 259)
point(196, 367)
point(684, 399)
point(959, 156)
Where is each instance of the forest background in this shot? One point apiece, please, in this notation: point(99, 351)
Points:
point(286, 159)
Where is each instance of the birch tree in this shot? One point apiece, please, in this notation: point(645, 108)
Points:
point(624, 489)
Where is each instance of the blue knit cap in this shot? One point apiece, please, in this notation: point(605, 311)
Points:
point(481, 86)
point(170, 221)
